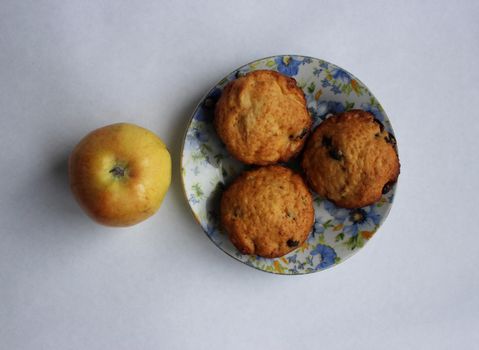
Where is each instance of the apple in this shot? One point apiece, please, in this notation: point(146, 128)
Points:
point(119, 174)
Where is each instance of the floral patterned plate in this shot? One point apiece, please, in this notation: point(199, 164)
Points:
point(207, 168)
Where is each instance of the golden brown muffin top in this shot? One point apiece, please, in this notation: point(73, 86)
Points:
point(350, 158)
point(267, 212)
point(262, 117)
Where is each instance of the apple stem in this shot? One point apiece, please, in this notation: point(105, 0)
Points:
point(118, 171)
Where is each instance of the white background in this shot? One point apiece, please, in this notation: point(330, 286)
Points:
point(68, 67)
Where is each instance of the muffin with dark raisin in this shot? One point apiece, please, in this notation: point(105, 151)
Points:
point(351, 159)
point(267, 211)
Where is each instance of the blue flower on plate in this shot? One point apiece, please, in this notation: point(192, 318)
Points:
point(328, 255)
point(340, 74)
point(339, 214)
point(336, 90)
point(326, 107)
point(287, 65)
point(374, 110)
point(318, 227)
point(325, 83)
point(324, 64)
point(361, 218)
point(292, 258)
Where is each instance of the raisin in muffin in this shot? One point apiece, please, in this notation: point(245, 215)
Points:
point(262, 118)
point(351, 160)
point(267, 212)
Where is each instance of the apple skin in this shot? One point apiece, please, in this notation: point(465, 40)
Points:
point(119, 174)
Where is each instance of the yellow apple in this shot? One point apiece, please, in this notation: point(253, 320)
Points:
point(120, 174)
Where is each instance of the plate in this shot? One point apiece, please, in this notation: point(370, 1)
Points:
point(207, 168)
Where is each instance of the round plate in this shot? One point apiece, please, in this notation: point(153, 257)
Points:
point(207, 168)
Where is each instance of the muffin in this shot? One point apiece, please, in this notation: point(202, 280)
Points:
point(267, 211)
point(262, 118)
point(351, 160)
